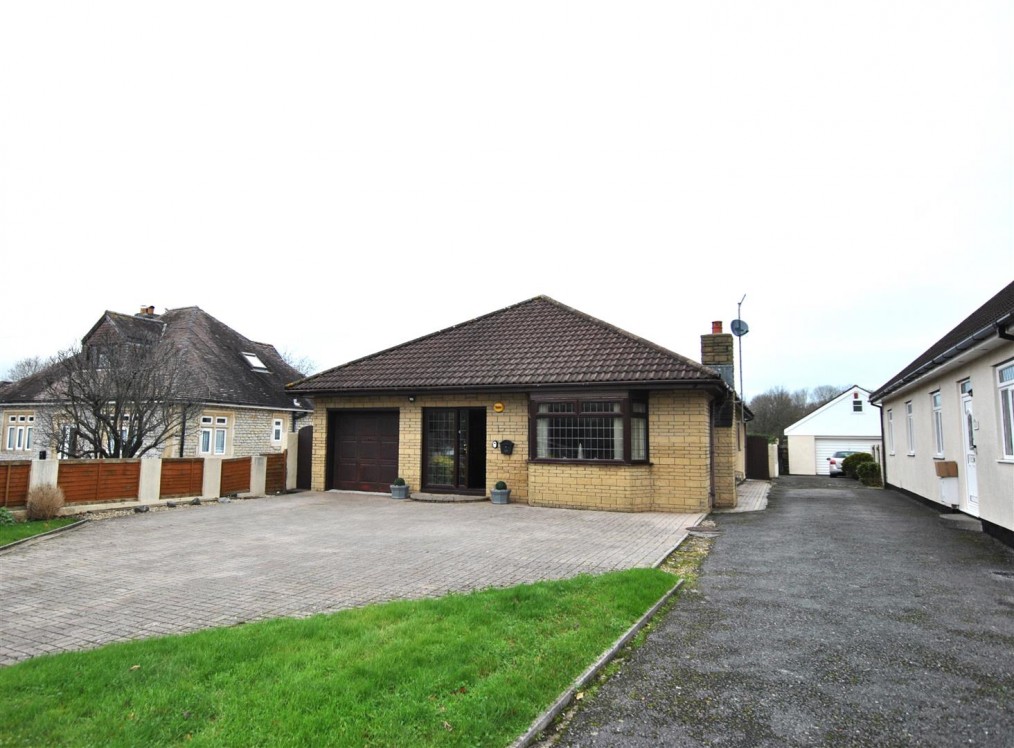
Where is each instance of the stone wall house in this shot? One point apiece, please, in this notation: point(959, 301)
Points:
point(237, 386)
point(568, 410)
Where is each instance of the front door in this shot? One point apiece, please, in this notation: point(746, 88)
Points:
point(968, 431)
point(454, 449)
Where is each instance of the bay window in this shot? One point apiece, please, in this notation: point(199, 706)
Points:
point(597, 427)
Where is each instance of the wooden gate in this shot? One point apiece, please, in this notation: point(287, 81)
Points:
point(235, 476)
point(99, 480)
point(275, 479)
point(181, 476)
point(304, 459)
point(757, 458)
point(14, 478)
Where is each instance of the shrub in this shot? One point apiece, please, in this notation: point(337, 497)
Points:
point(850, 463)
point(6, 518)
point(45, 502)
point(869, 474)
point(399, 481)
point(500, 486)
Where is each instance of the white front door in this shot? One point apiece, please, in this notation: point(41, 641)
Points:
point(968, 430)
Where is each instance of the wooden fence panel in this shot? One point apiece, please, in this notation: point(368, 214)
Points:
point(275, 480)
point(181, 477)
point(99, 480)
point(235, 476)
point(14, 478)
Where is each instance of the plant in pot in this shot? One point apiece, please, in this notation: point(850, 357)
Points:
point(500, 493)
point(399, 489)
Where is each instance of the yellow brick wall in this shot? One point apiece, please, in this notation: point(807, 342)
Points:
point(511, 424)
point(678, 439)
point(618, 488)
point(677, 480)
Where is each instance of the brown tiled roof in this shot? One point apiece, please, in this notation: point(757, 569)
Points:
point(978, 326)
point(212, 350)
point(538, 342)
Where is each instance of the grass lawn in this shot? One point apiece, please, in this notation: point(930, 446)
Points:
point(469, 670)
point(22, 530)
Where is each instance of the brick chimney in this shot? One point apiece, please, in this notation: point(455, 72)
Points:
point(717, 352)
point(147, 311)
point(716, 348)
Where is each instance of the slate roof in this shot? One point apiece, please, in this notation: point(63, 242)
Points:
point(980, 325)
point(538, 342)
point(212, 350)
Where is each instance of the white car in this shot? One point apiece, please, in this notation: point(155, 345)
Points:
point(834, 462)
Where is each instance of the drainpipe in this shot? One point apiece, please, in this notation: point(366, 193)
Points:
point(183, 436)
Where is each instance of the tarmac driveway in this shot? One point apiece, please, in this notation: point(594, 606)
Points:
point(840, 616)
point(221, 564)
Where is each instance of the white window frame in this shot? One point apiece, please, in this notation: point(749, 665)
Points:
point(277, 429)
point(910, 427)
point(1005, 392)
point(890, 430)
point(214, 439)
point(20, 427)
point(254, 361)
point(936, 404)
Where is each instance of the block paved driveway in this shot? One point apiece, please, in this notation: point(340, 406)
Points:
point(221, 564)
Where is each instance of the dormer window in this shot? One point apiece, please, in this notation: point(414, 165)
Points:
point(255, 363)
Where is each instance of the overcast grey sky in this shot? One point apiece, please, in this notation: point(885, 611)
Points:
point(336, 178)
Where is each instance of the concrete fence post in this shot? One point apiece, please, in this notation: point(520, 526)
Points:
point(212, 478)
point(291, 460)
point(258, 475)
point(44, 473)
point(151, 480)
point(773, 460)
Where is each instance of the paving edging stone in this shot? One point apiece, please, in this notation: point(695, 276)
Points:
point(41, 535)
point(567, 697)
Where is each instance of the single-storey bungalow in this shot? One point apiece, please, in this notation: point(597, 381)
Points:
point(568, 410)
point(846, 423)
point(948, 419)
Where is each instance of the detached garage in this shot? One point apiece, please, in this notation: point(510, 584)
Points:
point(848, 422)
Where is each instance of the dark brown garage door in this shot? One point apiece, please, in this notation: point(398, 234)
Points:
point(364, 450)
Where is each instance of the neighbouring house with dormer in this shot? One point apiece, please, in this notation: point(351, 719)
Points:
point(234, 391)
point(948, 419)
point(846, 423)
point(568, 410)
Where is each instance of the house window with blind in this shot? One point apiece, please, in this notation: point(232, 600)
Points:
point(589, 428)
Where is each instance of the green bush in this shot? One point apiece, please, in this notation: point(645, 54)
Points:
point(850, 463)
point(500, 486)
point(399, 481)
point(869, 474)
point(6, 518)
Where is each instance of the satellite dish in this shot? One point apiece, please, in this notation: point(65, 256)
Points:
point(739, 328)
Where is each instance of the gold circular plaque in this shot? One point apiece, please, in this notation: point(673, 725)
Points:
point(498, 407)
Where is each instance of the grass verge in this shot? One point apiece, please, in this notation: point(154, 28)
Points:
point(460, 670)
point(22, 530)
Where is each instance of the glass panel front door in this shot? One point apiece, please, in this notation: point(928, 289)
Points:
point(454, 456)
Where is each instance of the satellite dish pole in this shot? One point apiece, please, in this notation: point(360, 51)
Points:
point(739, 329)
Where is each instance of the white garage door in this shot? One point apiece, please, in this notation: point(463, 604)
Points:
point(827, 446)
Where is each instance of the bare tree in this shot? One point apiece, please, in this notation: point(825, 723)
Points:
point(778, 408)
point(120, 400)
point(303, 364)
point(25, 368)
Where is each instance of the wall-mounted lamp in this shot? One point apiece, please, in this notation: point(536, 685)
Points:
point(411, 398)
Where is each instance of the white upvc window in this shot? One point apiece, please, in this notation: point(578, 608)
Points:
point(214, 435)
point(1005, 383)
point(890, 431)
point(276, 431)
point(938, 423)
point(857, 405)
point(19, 432)
point(910, 427)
